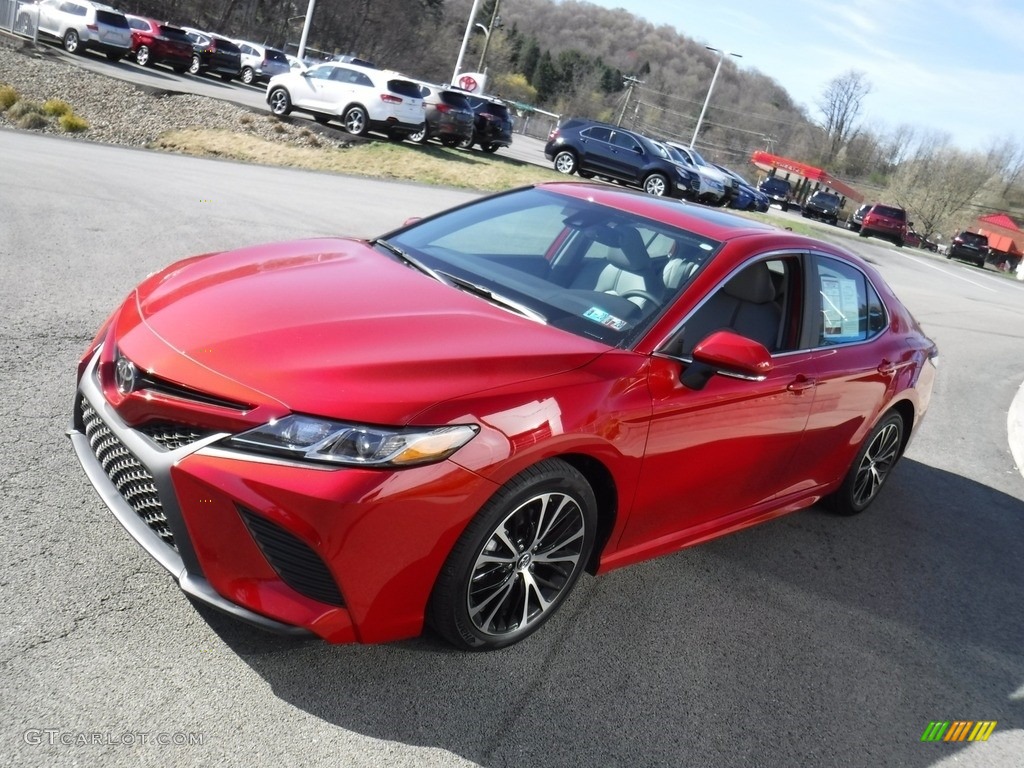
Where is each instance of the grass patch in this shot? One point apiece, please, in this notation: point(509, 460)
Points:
point(381, 160)
point(72, 123)
point(8, 96)
point(56, 108)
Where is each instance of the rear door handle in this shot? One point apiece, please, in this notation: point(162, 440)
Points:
point(802, 384)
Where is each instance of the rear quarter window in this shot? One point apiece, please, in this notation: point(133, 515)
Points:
point(404, 88)
point(112, 19)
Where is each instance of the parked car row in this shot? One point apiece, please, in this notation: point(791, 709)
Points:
point(354, 91)
point(662, 168)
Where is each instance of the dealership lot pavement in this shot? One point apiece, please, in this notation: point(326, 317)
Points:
point(811, 640)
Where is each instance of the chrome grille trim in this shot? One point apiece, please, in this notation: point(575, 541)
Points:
point(171, 437)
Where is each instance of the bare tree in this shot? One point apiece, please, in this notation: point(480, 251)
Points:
point(938, 183)
point(840, 106)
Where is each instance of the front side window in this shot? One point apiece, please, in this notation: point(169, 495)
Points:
point(851, 309)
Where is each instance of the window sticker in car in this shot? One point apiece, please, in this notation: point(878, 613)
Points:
point(839, 307)
point(603, 318)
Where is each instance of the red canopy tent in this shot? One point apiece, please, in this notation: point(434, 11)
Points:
point(768, 162)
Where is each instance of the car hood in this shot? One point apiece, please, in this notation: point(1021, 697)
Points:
point(336, 328)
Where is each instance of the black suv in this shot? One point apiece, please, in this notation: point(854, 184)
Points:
point(492, 127)
point(599, 149)
point(823, 205)
point(779, 191)
point(969, 246)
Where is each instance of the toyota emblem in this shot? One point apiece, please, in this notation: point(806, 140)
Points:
point(467, 83)
point(124, 375)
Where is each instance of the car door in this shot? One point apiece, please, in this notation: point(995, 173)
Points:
point(50, 14)
point(857, 362)
point(596, 150)
point(626, 157)
point(311, 89)
point(346, 86)
point(716, 455)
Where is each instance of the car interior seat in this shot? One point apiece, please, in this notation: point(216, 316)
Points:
point(746, 304)
point(626, 267)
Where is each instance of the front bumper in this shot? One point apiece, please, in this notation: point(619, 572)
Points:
point(350, 555)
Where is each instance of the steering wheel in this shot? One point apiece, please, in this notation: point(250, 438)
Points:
point(640, 294)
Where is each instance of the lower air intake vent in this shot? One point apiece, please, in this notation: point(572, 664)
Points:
point(295, 562)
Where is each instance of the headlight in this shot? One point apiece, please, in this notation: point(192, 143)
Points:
point(305, 438)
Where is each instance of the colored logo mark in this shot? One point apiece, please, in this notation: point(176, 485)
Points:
point(958, 730)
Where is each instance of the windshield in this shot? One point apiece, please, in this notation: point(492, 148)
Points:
point(573, 264)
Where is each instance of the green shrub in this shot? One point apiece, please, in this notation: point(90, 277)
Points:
point(7, 97)
point(31, 120)
point(72, 123)
point(24, 107)
point(56, 108)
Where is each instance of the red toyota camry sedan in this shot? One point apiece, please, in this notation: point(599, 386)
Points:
point(446, 425)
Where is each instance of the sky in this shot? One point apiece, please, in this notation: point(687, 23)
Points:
point(954, 66)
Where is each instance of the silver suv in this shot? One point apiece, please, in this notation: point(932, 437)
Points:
point(80, 25)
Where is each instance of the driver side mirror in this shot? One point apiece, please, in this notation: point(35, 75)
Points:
point(727, 354)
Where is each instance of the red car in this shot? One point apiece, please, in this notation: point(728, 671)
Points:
point(154, 42)
point(886, 221)
point(448, 424)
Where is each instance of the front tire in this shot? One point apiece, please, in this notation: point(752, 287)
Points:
point(356, 121)
point(656, 184)
point(71, 42)
point(517, 560)
point(490, 148)
point(875, 460)
point(280, 102)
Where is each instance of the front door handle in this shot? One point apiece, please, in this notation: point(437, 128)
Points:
point(801, 384)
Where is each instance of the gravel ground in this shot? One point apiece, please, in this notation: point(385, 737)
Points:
point(122, 113)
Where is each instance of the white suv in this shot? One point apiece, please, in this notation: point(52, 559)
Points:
point(364, 98)
point(260, 63)
point(80, 25)
point(716, 186)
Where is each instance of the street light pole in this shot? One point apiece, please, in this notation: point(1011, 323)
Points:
point(465, 41)
point(301, 53)
point(487, 37)
point(707, 99)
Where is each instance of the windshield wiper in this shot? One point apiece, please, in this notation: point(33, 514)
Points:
point(494, 298)
point(411, 261)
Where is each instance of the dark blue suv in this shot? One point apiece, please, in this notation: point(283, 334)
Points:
point(593, 149)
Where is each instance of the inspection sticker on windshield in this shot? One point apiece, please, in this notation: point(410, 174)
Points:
point(602, 317)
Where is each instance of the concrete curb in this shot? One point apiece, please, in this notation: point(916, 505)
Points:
point(1015, 429)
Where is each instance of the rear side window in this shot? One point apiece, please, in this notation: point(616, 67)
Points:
point(404, 88)
point(139, 24)
point(112, 19)
point(226, 46)
point(598, 133)
point(275, 55)
point(175, 34)
point(850, 307)
point(456, 100)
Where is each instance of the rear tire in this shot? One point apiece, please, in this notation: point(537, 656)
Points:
point(196, 65)
point(420, 136)
point(247, 75)
point(143, 57)
point(356, 121)
point(490, 148)
point(869, 471)
point(71, 42)
point(565, 162)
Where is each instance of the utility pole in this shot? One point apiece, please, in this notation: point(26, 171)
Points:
point(629, 81)
point(495, 19)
